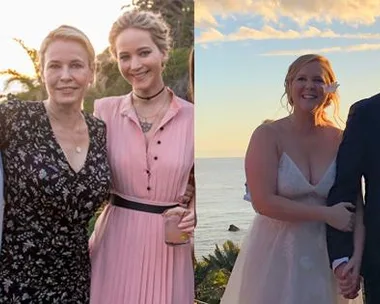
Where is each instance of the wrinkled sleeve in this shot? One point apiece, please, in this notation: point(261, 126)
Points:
point(349, 171)
point(9, 110)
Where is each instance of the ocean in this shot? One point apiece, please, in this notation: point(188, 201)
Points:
point(220, 203)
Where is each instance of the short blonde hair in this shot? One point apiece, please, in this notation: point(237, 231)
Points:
point(329, 78)
point(67, 32)
point(142, 20)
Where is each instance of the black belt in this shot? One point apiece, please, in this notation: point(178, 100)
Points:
point(123, 203)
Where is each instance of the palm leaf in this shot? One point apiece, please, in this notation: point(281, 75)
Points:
point(33, 55)
point(26, 81)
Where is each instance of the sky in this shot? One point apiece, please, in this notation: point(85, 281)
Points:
point(244, 48)
point(31, 21)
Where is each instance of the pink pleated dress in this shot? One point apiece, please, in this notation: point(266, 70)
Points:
point(131, 264)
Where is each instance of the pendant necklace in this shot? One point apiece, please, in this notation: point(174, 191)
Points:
point(145, 125)
point(77, 148)
point(147, 122)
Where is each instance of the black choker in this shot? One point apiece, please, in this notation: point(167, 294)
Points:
point(150, 97)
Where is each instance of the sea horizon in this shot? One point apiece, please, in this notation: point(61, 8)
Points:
point(219, 202)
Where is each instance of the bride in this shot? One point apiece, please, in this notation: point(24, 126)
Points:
point(290, 168)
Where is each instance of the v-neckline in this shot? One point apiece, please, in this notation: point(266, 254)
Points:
point(303, 176)
point(60, 150)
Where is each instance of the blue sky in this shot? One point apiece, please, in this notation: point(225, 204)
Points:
point(244, 48)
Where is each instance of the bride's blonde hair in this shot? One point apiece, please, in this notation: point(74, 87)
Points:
point(329, 78)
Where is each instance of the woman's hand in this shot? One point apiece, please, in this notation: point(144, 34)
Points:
point(340, 217)
point(348, 278)
point(187, 222)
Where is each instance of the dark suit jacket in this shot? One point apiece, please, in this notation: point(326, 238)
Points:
point(359, 155)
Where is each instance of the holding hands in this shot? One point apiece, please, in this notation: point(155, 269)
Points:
point(348, 278)
point(348, 273)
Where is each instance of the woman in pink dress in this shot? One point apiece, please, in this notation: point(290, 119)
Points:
point(150, 141)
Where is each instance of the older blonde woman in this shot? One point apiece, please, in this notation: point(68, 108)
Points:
point(57, 175)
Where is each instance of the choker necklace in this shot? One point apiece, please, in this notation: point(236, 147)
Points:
point(150, 97)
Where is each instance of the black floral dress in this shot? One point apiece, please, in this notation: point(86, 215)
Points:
point(44, 256)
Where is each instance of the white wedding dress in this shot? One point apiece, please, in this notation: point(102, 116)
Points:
point(283, 262)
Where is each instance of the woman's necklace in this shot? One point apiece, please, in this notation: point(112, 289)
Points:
point(78, 148)
point(152, 96)
point(146, 122)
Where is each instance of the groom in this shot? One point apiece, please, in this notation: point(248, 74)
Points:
point(358, 156)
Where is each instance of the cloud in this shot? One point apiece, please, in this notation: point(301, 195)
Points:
point(352, 48)
point(203, 17)
point(351, 12)
point(268, 32)
point(211, 35)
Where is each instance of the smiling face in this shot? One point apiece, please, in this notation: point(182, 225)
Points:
point(66, 71)
point(140, 61)
point(306, 91)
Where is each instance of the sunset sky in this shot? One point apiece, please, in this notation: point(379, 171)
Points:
point(244, 48)
point(31, 21)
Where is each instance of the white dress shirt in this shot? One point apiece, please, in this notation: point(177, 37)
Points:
point(337, 262)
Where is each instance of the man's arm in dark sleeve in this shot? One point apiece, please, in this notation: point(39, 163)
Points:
point(349, 171)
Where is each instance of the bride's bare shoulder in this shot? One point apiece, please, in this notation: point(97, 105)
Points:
point(334, 133)
point(268, 134)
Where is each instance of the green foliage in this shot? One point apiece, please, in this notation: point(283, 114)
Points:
point(211, 289)
point(26, 81)
point(33, 55)
point(92, 222)
point(176, 74)
point(212, 273)
point(109, 81)
point(223, 259)
point(179, 14)
point(32, 87)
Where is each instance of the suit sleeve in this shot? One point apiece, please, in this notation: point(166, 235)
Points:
point(349, 171)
